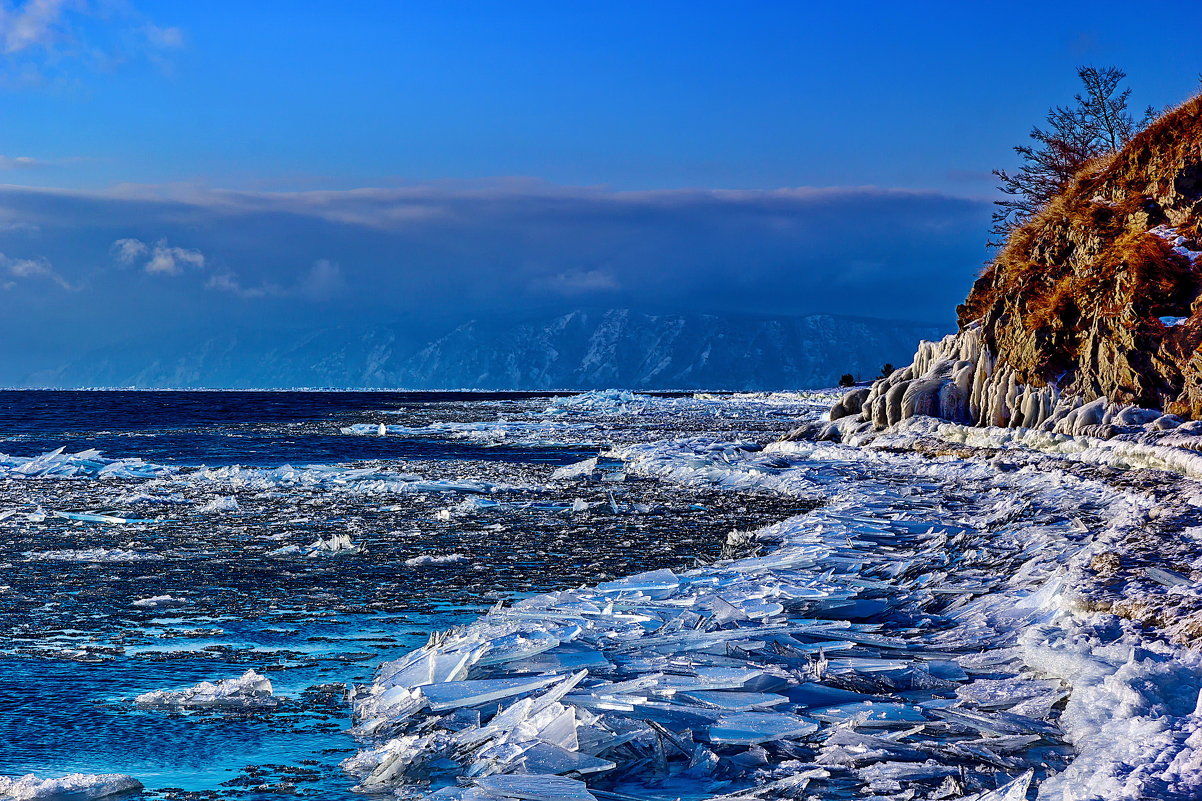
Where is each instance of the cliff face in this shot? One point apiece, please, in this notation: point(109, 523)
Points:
point(1090, 318)
point(1098, 292)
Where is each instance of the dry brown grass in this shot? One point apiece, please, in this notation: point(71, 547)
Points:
point(1087, 255)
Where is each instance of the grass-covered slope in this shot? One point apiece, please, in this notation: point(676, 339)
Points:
point(1077, 295)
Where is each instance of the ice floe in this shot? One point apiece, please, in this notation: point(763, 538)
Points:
point(334, 545)
point(72, 787)
point(85, 464)
point(91, 555)
point(428, 560)
point(488, 433)
point(159, 601)
point(248, 691)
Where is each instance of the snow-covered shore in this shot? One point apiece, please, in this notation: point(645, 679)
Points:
point(926, 633)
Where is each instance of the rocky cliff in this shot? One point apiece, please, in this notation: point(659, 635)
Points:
point(1088, 320)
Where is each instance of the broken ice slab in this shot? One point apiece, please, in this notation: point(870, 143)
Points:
point(684, 641)
point(92, 517)
point(519, 646)
point(851, 747)
point(872, 714)
point(819, 695)
point(74, 786)
point(906, 771)
point(656, 583)
point(712, 678)
point(1015, 790)
point(998, 723)
point(751, 728)
point(583, 469)
point(733, 701)
point(1168, 578)
point(1006, 693)
point(248, 691)
point(429, 665)
point(536, 788)
point(559, 661)
point(454, 694)
point(546, 758)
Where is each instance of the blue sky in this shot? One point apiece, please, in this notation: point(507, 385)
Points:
point(364, 161)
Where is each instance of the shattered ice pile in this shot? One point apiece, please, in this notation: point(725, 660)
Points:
point(85, 464)
point(615, 402)
point(334, 545)
point(489, 433)
point(224, 503)
point(90, 464)
point(74, 786)
point(248, 691)
point(599, 401)
point(358, 480)
point(583, 469)
point(914, 638)
point(91, 555)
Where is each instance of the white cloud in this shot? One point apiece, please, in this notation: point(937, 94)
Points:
point(168, 260)
point(228, 282)
point(323, 279)
point(127, 251)
point(21, 163)
point(161, 259)
point(35, 23)
point(43, 38)
point(17, 268)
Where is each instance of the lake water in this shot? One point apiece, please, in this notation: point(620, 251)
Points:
point(202, 560)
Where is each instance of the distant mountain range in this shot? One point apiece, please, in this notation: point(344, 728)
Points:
point(577, 350)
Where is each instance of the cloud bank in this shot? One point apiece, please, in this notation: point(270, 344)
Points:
point(150, 259)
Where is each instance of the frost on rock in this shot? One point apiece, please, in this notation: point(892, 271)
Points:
point(961, 381)
point(73, 787)
point(248, 691)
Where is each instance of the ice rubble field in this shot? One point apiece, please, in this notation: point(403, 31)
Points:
point(135, 596)
point(924, 634)
point(918, 636)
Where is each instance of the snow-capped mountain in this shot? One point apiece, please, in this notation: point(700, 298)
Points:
point(577, 350)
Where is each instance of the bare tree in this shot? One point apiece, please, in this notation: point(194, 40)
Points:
point(1097, 123)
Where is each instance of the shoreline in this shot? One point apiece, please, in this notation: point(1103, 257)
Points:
point(782, 606)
